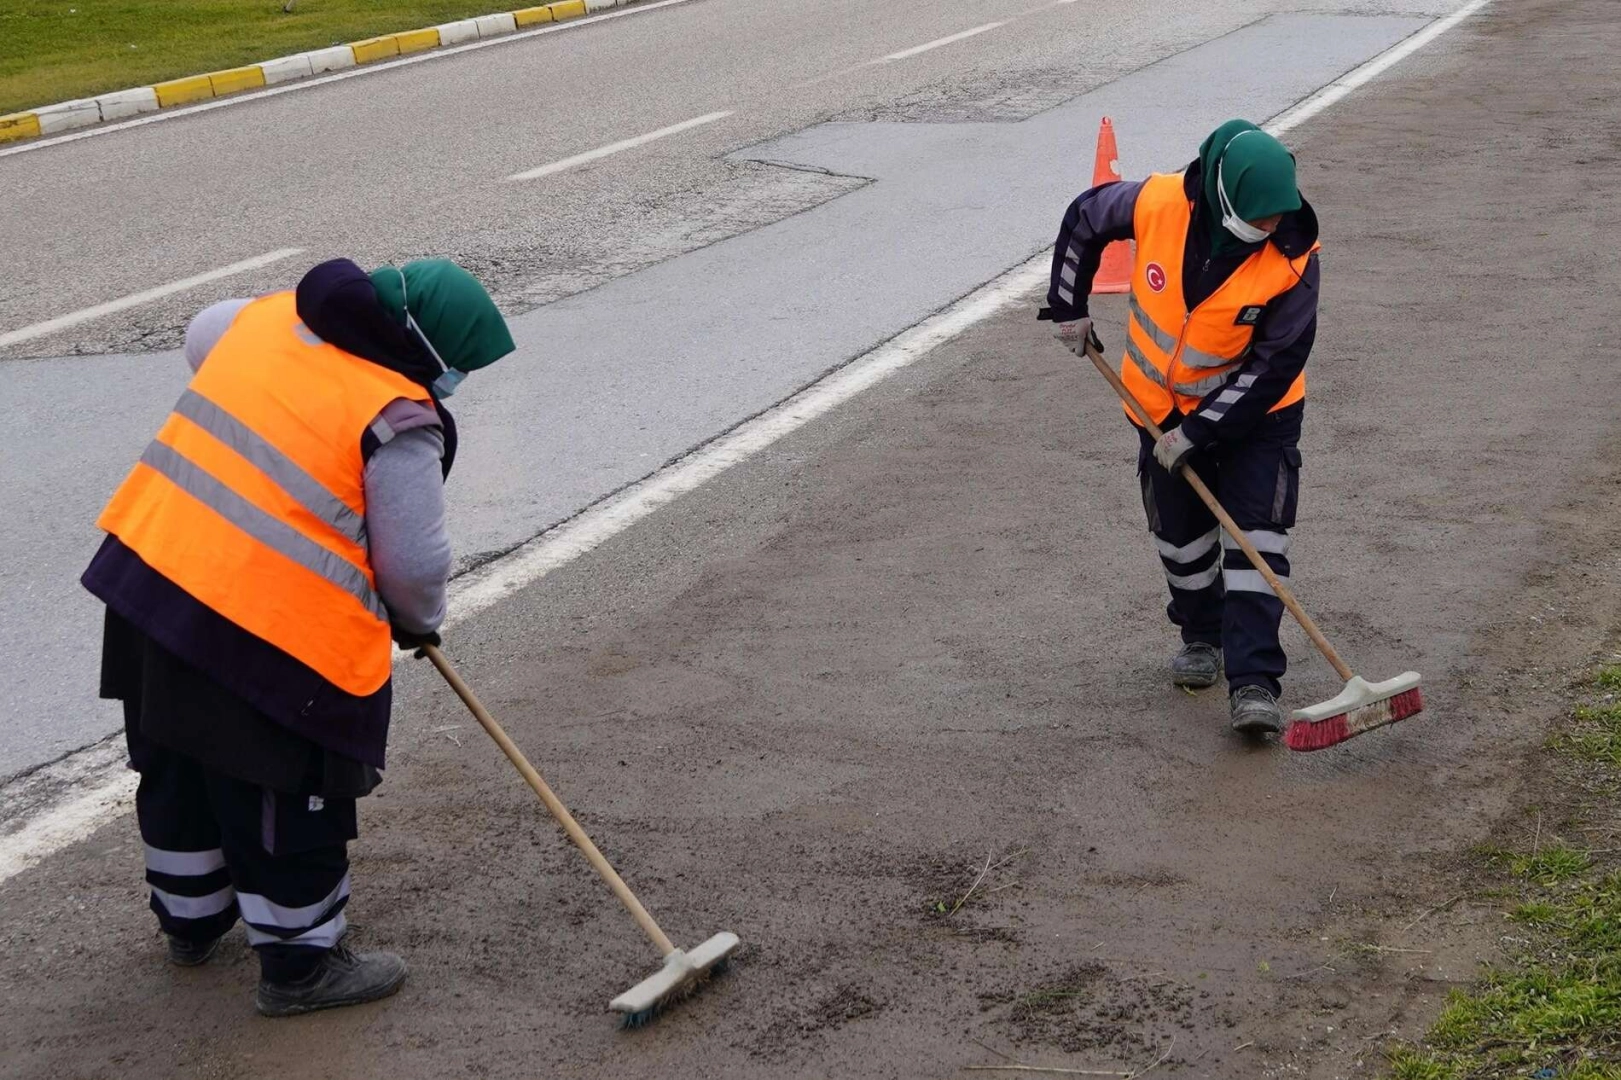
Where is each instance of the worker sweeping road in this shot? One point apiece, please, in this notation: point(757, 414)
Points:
point(1223, 313)
point(287, 521)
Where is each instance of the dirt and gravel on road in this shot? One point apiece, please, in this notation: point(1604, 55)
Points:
point(889, 700)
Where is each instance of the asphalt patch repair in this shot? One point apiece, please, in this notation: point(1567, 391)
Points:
point(817, 700)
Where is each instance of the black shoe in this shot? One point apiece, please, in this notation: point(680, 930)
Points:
point(1255, 711)
point(344, 977)
point(1197, 665)
point(186, 953)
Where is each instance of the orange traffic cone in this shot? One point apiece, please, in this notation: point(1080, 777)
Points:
point(1114, 272)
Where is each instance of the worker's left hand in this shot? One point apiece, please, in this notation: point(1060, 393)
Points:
point(408, 640)
point(1173, 447)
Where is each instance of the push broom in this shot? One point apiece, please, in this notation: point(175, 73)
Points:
point(1361, 706)
point(683, 970)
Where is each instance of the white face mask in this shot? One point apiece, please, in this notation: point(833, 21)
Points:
point(446, 384)
point(1230, 220)
point(449, 377)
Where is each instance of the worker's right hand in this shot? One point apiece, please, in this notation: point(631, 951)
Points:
point(1076, 334)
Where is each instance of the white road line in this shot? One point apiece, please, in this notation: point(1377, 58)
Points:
point(51, 829)
point(351, 73)
point(62, 322)
point(99, 786)
point(613, 148)
point(1360, 76)
point(926, 46)
point(607, 519)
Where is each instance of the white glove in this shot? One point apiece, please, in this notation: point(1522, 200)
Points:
point(1172, 448)
point(1075, 334)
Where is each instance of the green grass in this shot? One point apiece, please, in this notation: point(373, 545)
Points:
point(66, 49)
point(1558, 1008)
point(1553, 1012)
point(1609, 678)
point(1596, 735)
point(1553, 864)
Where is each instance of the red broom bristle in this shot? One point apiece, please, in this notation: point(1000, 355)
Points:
point(1309, 735)
point(1304, 735)
point(1407, 703)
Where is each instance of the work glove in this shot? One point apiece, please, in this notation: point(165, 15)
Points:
point(408, 641)
point(1172, 449)
point(1075, 334)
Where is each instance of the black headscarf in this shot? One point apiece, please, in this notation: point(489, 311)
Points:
point(338, 302)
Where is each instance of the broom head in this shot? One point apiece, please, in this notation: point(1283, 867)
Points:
point(1361, 706)
point(681, 974)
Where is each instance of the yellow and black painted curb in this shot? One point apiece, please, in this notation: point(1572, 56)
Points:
point(122, 104)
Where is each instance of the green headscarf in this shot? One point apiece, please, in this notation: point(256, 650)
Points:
point(1258, 172)
point(450, 306)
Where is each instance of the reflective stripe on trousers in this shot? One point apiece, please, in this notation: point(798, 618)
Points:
point(1237, 572)
point(188, 884)
point(320, 924)
point(1191, 566)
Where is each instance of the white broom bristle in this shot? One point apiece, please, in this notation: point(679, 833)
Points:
point(682, 970)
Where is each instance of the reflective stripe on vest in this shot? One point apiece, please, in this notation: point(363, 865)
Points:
point(252, 496)
point(1175, 357)
point(200, 485)
point(1191, 357)
point(1143, 364)
point(278, 466)
point(1198, 388)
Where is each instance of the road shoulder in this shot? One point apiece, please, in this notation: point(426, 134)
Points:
point(888, 700)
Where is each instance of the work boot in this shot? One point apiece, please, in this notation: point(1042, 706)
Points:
point(1255, 711)
point(343, 977)
point(187, 953)
point(1197, 665)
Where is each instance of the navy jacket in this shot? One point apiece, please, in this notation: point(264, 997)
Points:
point(1284, 334)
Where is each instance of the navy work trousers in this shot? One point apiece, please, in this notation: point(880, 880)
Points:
point(1216, 596)
point(219, 849)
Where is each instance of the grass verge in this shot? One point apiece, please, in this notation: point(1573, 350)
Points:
point(63, 49)
point(1553, 1010)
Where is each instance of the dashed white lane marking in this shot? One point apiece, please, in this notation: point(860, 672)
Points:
point(938, 42)
point(123, 303)
point(352, 73)
point(613, 148)
point(53, 827)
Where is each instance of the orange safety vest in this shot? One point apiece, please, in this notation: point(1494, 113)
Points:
point(1175, 357)
point(252, 500)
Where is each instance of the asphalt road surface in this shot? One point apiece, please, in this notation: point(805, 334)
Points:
point(871, 166)
point(888, 698)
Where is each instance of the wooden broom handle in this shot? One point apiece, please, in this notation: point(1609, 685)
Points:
point(1226, 520)
point(553, 803)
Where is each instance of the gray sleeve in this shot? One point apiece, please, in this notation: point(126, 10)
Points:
point(405, 523)
point(208, 327)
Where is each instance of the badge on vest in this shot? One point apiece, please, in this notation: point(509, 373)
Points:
point(1249, 316)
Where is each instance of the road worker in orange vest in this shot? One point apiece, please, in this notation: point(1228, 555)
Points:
point(282, 531)
point(1223, 314)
